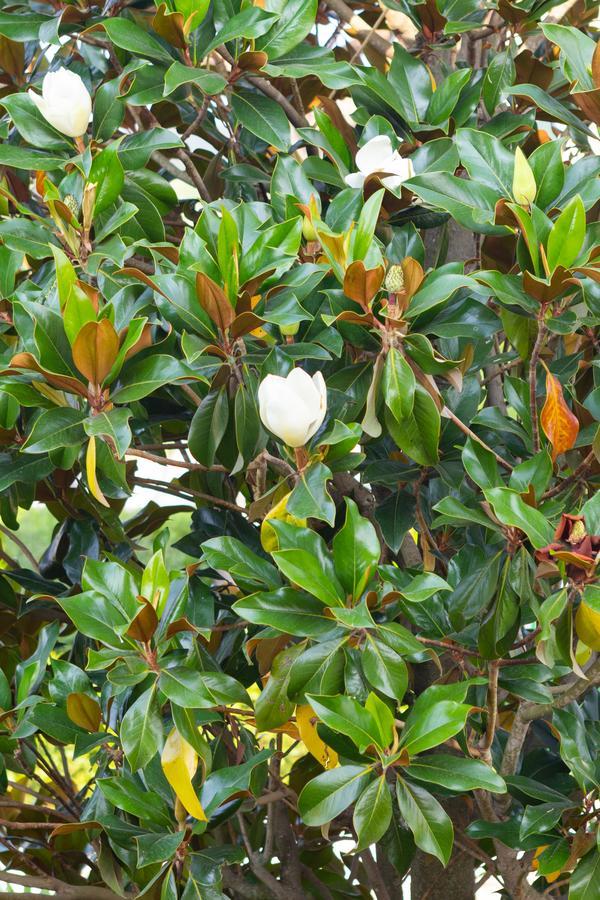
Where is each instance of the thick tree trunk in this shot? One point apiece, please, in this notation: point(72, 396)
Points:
point(431, 881)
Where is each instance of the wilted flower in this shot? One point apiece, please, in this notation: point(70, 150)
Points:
point(574, 546)
point(378, 158)
point(65, 102)
point(293, 408)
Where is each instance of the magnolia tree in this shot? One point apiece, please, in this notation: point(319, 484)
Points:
point(319, 281)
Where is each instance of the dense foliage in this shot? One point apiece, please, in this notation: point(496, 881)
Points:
point(380, 658)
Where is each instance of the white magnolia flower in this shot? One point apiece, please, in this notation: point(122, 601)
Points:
point(65, 102)
point(293, 408)
point(378, 157)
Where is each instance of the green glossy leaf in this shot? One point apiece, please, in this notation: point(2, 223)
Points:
point(263, 117)
point(142, 730)
point(456, 773)
point(512, 510)
point(126, 34)
point(288, 610)
point(200, 690)
point(384, 669)
point(372, 813)
point(356, 551)
point(398, 385)
point(430, 723)
point(329, 794)
point(566, 238)
point(430, 824)
point(346, 715)
point(310, 497)
point(55, 428)
point(295, 20)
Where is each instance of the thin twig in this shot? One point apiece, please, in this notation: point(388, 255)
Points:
point(22, 547)
point(194, 174)
point(177, 490)
point(347, 15)
point(178, 463)
point(191, 129)
point(571, 479)
point(466, 430)
point(535, 355)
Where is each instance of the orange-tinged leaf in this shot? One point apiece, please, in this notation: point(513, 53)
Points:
point(306, 722)
point(361, 284)
point(144, 341)
point(179, 762)
point(95, 349)
point(170, 26)
point(560, 425)
point(84, 711)
point(90, 471)
point(596, 66)
point(144, 624)
point(70, 827)
point(62, 382)
point(413, 275)
point(214, 301)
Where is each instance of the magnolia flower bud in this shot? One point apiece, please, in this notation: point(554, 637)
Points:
point(394, 280)
point(293, 408)
point(65, 102)
point(524, 187)
point(290, 330)
point(308, 230)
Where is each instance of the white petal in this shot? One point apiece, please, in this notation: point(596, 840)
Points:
point(321, 387)
point(268, 389)
point(39, 101)
point(392, 182)
point(283, 410)
point(374, 154)
point(319, 383)
point(355, 179)
point(66, 103)
point(289, 419)
point(400, 171)
point(304, 387)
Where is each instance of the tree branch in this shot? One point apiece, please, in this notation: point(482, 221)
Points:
point(528, 712)
point(348, 16)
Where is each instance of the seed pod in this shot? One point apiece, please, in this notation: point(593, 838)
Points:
point(394, 280)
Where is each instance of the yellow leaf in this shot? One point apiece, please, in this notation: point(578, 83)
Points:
point(179, 762)
point(560, 425)
point(587, 625)
point(552, 876)
point(306, 722)
point(257, 332)
point(90, 471)
point(524, 187)
point(268, 537)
